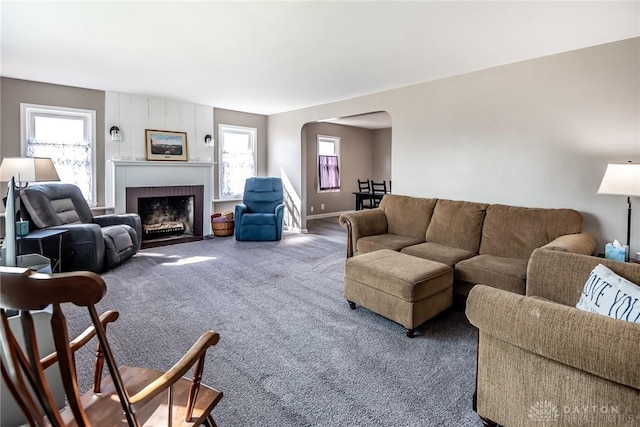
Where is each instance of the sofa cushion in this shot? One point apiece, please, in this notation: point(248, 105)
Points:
point(440, 253)
point(384, 241)
point(458, 224)
point(610, 295)
point(546, 266)
point(407, 216)
point(258, 219)
point(514, 232)
point(504, 273)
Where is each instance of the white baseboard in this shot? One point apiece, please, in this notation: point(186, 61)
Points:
point(296, 230)
point(326, 215)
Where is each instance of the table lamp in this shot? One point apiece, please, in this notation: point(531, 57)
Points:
point(28, 169)
point(24, 170)
point(622, 179)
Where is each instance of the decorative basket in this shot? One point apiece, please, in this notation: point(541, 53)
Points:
point(222, 228)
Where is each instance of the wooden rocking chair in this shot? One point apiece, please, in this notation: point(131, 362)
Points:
point(129, 396)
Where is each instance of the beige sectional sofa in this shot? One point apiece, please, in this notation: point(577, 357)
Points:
point(483, 243)
point(541, 359)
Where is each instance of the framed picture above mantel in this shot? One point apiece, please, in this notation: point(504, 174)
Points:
point(166, 145)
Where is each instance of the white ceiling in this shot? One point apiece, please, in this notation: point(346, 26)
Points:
point(268, 57)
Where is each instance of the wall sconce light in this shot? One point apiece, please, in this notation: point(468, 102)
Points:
point(208, 139)
point(115, 133)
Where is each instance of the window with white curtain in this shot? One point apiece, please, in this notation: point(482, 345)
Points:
point(67, 136)
point(328, 163)
point(238, 159)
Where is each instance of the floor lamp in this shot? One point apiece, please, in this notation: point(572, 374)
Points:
point(622, 179)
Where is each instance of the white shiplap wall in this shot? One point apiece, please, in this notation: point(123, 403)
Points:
point(134, 113)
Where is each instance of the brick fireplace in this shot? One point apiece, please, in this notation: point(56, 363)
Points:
point(171, 214)
point(180, 191)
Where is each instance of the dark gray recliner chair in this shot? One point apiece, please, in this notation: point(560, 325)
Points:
point(93, 243)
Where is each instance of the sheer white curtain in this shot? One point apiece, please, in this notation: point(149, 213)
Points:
point(71, 159)
point(237, 159)
point(237, 168)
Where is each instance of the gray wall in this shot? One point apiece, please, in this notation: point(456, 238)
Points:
point(381, 159)
point(14, 91)
point(534, 133)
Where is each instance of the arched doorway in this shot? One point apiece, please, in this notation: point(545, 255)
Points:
point(364, 153)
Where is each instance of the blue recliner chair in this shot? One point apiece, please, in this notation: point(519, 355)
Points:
point(260, 215)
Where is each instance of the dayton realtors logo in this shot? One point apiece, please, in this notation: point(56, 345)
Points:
point(544, 411)
point(547, 412)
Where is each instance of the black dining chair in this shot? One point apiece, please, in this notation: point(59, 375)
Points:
point(378, 188)
point(364, 186)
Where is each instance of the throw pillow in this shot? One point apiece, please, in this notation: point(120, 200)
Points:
point(611, 295)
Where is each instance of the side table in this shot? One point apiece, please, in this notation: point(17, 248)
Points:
point(40, 236)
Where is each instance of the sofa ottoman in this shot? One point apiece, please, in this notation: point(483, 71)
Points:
point(403, 288)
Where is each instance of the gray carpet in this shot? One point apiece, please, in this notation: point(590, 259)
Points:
point(291, 351)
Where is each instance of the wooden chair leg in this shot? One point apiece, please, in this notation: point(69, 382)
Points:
point(209, 422)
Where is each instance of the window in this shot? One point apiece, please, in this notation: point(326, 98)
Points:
point(67, 136)
point(237, 159)
point(328, 163)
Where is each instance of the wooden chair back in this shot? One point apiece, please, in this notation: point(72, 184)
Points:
point(23, 368)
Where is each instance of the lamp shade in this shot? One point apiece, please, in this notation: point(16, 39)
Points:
point(622, 179)
point(28, 169)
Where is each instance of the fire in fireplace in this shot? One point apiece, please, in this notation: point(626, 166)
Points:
point(169, 215)
point(166, 216)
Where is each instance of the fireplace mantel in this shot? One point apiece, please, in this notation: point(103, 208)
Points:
point(148, 163)
point(137, 173)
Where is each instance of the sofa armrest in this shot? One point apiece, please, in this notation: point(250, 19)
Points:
point(362, 223)
point(83, 247)
point(279, 212)
point(130, 219)
point(586, 341)
point(579, 243)
point(240, 210)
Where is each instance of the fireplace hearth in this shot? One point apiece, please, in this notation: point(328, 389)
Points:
point(171, 214)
